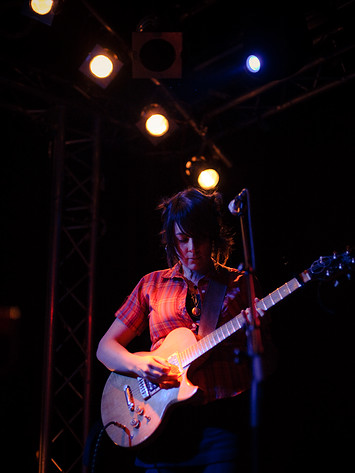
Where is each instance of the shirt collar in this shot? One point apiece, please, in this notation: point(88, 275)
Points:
point(176, 271)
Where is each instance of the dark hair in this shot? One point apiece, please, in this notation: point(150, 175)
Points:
point(198, 214)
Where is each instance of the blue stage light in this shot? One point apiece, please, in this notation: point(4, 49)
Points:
point(253, 63)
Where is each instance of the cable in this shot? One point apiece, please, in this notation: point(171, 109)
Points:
point(92, 463)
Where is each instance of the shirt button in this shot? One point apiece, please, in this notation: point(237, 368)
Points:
point(203, 291)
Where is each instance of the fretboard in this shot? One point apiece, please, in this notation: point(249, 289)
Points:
point(211, 340)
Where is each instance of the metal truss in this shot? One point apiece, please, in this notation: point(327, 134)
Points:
point(68, 350)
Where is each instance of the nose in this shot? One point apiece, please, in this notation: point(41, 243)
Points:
point(191, 245)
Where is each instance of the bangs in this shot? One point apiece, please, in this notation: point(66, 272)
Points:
point(195, 225)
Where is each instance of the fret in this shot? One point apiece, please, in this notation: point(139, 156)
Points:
point(217, 335)
point(274, 297)
point(203, 344)
point(225, 331)
point(186, 356)
point(236, 324)
point(262, 304)
point(189, 354)
point(267, 302)
point(284, 291)
point(226, 326)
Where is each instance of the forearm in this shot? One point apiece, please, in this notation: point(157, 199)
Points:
point(112, 353)
point(116, 357)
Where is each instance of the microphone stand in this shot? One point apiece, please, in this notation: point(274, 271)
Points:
point(241, 206)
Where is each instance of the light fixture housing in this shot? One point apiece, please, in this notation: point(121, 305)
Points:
point(107, 58)
point(156, 55)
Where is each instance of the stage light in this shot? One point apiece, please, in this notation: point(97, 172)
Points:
point(42, 7)
point(208, 179)
point(41, 10)
point(157, 55)
point(203, 173)
point(253, 63)
point(155, 123)
point(101, 66)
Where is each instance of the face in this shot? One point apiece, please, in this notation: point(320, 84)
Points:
point(195, 254)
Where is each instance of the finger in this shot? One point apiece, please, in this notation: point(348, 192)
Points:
point(163, 364)
point(259, 310)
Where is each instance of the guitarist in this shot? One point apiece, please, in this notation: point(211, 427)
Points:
point(204, 435)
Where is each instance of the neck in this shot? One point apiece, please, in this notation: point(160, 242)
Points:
point(194, 276)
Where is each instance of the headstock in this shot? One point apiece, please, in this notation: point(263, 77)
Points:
point(328, 267)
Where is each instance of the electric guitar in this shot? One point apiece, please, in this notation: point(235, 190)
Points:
point(132, 409)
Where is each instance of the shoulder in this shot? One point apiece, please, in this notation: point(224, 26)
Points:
point(159, 276)
point(229, 275)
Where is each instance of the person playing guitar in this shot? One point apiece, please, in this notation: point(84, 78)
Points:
point(202, 433)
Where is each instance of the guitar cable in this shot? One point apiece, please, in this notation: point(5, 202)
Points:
point(92, 463)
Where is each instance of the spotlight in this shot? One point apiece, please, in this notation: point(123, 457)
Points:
point(203, 173)
point(253, 63)
point(101, 66)
point(41, 10)
point(155, 123)
point(156, 55)
point(208, 179)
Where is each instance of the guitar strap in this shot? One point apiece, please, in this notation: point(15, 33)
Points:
point(211, 307)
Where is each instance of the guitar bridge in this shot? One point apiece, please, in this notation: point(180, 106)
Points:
point(146, 388)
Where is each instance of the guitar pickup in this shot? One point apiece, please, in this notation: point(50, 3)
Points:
point(129, 397)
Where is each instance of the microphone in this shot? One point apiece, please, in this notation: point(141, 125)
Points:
point(235, 204)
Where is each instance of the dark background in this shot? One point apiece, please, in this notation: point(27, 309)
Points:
point(297, 164)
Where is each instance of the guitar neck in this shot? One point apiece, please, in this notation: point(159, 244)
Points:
point(211, 340)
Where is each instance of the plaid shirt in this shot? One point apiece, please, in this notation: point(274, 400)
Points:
point(159, 300)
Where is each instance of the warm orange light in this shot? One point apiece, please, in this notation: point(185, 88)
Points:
point(42, 7)
point(101, 66)
point(208, 179)
point(157, 125)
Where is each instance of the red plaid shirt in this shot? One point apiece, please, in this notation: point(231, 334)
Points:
point(159, 300)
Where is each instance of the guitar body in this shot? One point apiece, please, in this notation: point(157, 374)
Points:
point(136, 415)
